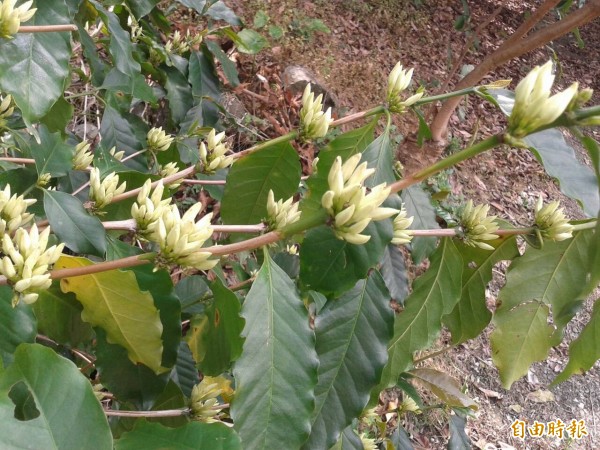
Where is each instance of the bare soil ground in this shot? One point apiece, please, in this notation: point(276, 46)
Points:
point(366, 39)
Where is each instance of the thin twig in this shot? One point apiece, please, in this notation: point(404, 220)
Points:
point(163, 413)
point(18, 160)
point(46, 28)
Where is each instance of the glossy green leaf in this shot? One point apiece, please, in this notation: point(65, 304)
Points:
point(194, 435)
point(585, 350)
point(179, 94)
point(35, 66)
point(98, 68)
point(331, 265)
point(444, 387)
point(418, 205)
point(348, 440)
point(134, 85)
point(227, 65)
point(380, 156)
point(522, 336)
point(220, 11)
point(113, 301)
point(352, 333)
point(129, 382)
point(576, 180)
point(59, 116)
point(250, 42)
point(277, 372)
point(458, 437)
point(123, 132)
point(190, 291)
point(185, 373)
point(17, 325)
point(276, 168)
point(59, 317)
point(48, 377)
point(344, 145)
point(70, 221)
point(435, 293)
point(52, 155)
point(140, 8)
point(215, 336)
point(471, 315)
point(394, 273)
point(205, 87)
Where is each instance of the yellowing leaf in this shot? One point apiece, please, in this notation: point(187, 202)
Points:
point(541, 396)
point(113, 301)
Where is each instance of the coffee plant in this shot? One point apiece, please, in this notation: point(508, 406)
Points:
point(272, 313)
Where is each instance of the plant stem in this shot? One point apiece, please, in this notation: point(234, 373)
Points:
point(167, 180)
point(123, 263)
point(205, 182)
point(447, 162)
point(130, 225)
point(248, 244)
point(18, 160)
point(46, 28)
point(359, 115)
point(435, 98)
point(163, 413)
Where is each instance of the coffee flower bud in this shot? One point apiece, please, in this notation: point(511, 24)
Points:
point(148, 209)
point(398, 81)
point(402, 235)
point(203, 402)
point(314, 123)
point(6, 109)
point(477, 226)
point(26, 262)
point(83, 156)
point(11, 17)
point(168, 170)
point(348, 203)
point(212, 154)
point(551, 221)
point(13, 211)
point(102, 192)
point(533, 106)
point(177, 44)
point(367, 442)
point(115, 154)
point(158, 140)
point(181, 238)
point(280, 213)
point(44, 179)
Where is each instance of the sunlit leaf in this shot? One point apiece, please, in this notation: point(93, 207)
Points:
point(250, 42)
point(277, 372)
point(444, 387)
point(48, 377)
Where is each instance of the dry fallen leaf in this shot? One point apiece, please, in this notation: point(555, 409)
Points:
point(540, 396)
point(516, 408)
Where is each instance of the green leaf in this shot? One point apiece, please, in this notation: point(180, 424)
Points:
point(434, 295)
point(185, 373)
point(348, 440)
point(215, 337)
point(227, 65)
point(35, 66)
point(123, 132)
point(129, 382)
point(134, 85)
point(59, 317)
point(249, 180)
point(205, 87)
point(179, 94)
point(576, 180)
point(277, 372)
point(17, 325)
point(471, 315)
point(261, 19)
point(522, 336)
point(48, 377)
point(194, 435)
point(352, 333)
point(140, 8)
point(59, 116)
point(394, 273)
point(458, 437)
point(190, 290)
point(250, 42)
point(332, 265)
point(556, 276)
point(418, 205)
point(220, 11)
point(171, 398)
point(198, 5)
point(380, 156)
point(585, 350)
point(444, 387)
point(400, 439)
point(51, 155)
point(113, 301)
point(344, 145)
point(72, 224)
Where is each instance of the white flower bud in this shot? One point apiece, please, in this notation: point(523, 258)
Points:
point(552, 222)
point(280, 213)
point(477, 226)
point(13, 211)
point(83, 156)
point(102, 192)
point(402, 234)
point(314, 123)
point(11, 17)
point(158, 140)
point(212, 154)
point(398, 81)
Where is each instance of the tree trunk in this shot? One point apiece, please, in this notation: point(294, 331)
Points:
point(514, 46)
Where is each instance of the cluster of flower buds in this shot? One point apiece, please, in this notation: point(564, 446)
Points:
point(158, 140)
point(148, 209)
point(178, 44)
point(115, 154)
point(551, 221)
point(534, 108)
point(212, 154)
point(13, 211)
point(477, 226)
point(314, 123)
point(180, 238)
point(204, 404)
point(168, 170)
point(83, 156)
point(402, 234)
point(6, 110)
point(348, 203)
point(11, 17)
point(281, 213)
point(102, 192)
point(26, 262)
point(398, 81)
point(44, 179)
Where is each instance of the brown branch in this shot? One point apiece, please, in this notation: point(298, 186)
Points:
point(167, 180)
point(46, 28)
